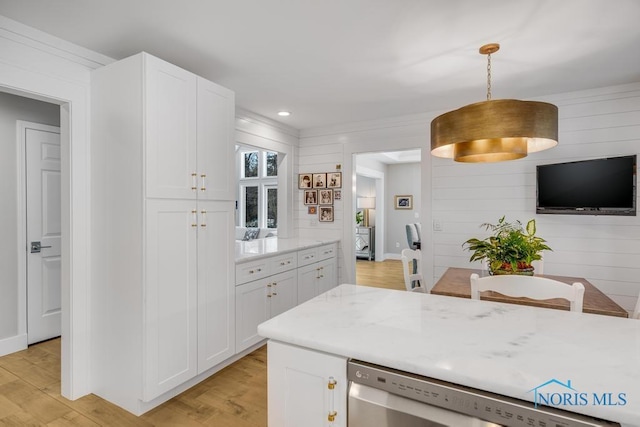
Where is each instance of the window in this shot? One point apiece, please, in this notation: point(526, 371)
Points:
point(258, 198)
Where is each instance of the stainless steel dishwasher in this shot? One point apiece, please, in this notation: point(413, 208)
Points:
point(384, 397)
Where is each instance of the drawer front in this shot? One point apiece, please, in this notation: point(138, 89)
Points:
point(249, 271)
point(327, 251)
point(283, 263)
point(307, 256)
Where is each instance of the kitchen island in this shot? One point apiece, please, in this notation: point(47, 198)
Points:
point(501, 348)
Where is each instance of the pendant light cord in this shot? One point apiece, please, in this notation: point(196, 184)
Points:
point(489, 77)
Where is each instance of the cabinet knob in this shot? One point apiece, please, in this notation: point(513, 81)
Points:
point(332, 416)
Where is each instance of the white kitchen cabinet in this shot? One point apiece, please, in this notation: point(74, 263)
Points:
point(163, 291)
point(320, 276)
point(260, 300)
point(305, 387)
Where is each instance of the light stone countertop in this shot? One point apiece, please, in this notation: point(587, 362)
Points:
point(261, 248)
point(502, 348)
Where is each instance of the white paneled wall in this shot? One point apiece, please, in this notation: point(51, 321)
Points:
point(603, 249)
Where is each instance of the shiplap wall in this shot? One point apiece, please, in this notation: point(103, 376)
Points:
point(595, 123)
point(603, 249)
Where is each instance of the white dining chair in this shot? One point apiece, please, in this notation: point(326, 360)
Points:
point(412, 268)
point(539, 288)
point(636, 312)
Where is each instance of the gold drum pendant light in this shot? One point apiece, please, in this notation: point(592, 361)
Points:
point(494, 130)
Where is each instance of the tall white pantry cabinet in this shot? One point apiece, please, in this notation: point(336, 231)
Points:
point(162, 171)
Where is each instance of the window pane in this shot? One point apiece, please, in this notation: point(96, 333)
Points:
point(272, 163)
point(251, 165)
point(251, 206)
point(272, 208)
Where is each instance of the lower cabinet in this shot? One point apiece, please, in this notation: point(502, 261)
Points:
point(315, 279)
point(259, 301)
point(305, 387)
point(269, 286)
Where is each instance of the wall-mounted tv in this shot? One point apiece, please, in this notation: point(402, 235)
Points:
point(588, 187)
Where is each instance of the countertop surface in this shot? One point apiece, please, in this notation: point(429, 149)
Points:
point(261, 248)
point(502, 348)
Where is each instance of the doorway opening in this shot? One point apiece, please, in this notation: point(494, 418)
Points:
point(380, 232)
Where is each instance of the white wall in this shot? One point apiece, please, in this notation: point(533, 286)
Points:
point(603, 249)
point(402, 179)
point(13, 108)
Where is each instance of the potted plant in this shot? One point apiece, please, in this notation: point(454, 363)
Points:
point(510, 248)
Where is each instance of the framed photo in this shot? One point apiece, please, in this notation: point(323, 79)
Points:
point(325, 197)
point(319, 180)
point(312, 210)
point(337, 194)
point(305, 180)
point(326, 213)
point(403, 202)
point(334, 180)
point(310, 197)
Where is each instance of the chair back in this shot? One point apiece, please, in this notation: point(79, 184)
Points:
point(412, 268)
point(413, 235)
point(529, 286)
point(636, 312)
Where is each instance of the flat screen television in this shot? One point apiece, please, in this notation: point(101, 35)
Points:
point(588, 187)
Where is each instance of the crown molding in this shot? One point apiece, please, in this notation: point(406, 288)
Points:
point(251, 117)
point(45, 42)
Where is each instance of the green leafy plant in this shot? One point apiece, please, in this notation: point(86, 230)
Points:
point(509, 247)
point(359, 217)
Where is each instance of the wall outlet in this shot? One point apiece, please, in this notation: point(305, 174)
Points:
point(397, 244)
point(416, 215)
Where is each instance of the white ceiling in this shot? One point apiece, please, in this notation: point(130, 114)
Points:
point(393, 157)
point(337, 61)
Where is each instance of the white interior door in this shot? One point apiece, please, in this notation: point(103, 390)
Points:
point(43, 234)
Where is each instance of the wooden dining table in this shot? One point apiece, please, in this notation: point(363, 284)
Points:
point(455, 283)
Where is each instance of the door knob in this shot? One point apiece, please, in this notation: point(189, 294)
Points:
point(36, 246)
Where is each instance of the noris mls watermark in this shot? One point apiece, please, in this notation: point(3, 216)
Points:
point(556, 393)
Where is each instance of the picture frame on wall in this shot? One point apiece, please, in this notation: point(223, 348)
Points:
point(305, 180)
point(319, 180)
point(310, 197)
point(334, 180)
point(337, 194)
point(326, 213)
point(403, 202)
point(325, 197)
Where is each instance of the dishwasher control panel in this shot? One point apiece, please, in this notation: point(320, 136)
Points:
point(502, 410)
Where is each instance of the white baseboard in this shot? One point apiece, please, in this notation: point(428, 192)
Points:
point(13, 344)
point(392, 256)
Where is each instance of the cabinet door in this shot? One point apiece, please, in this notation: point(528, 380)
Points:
point(170, 296)
point(216, 287)
point(283, 291)
point(251, 310)
point(216, 142)
point(170, 131)
point(308, 282)
point(298, 387)
point(328, 277)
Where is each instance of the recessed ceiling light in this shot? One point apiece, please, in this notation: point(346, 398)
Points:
point(284, 113)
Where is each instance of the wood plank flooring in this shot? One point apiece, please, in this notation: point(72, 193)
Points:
point(234, 397)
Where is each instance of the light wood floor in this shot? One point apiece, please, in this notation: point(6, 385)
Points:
point(234, 397)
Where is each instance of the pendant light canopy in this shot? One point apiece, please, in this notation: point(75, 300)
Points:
point(494, 130)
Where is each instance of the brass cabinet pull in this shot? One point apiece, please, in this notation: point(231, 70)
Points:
point(204, 215)
point(195, 218)
point(332, 416)
point(204, 187)
point(332, 383)
point(194, 183)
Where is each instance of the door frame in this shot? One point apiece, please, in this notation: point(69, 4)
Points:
point(21, 127)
